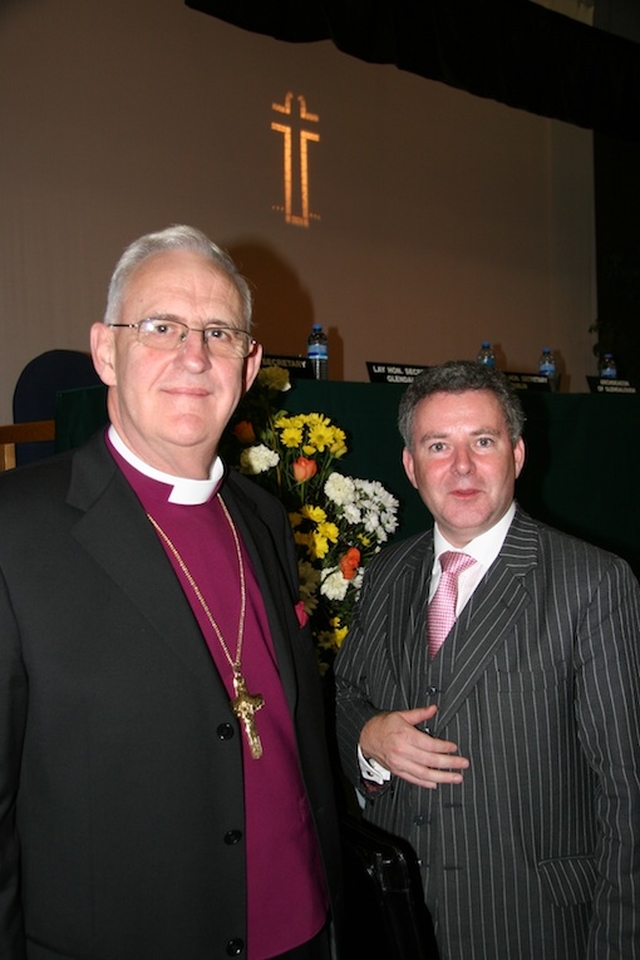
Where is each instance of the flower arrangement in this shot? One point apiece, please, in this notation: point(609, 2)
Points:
point(338, 522)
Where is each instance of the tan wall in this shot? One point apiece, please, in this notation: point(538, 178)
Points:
point(444, 218)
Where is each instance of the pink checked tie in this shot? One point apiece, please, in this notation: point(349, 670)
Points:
point(441, 614)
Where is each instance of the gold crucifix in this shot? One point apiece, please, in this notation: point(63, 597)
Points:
point(245, 705)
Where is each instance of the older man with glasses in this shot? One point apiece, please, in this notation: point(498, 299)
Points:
point(164, 782)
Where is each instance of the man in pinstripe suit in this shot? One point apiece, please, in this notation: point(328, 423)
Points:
point(511, 758)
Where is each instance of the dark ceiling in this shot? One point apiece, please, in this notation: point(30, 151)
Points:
point(512, 51)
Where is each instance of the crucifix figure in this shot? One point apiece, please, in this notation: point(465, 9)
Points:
point(245, 705)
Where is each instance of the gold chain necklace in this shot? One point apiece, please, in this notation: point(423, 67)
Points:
point(245, 705)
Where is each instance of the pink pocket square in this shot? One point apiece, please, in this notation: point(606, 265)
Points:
point(301, 613)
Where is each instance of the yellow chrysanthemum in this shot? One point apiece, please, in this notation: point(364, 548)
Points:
point(332, 639)
point(291, 436)
point(314, 418)
point(319, 546)
point(339, 636)
point(283, 420)
point(329, 530)
point(338, 446)
point(321, 436)
point(316, 514)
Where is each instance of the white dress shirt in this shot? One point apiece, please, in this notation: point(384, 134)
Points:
point(484, 550)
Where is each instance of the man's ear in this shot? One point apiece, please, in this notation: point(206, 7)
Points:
point(519, 456)
point(407, 463)
point(103, 349)
point(252, 366)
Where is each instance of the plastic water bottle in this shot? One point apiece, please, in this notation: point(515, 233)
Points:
point(486, 355)
point(608, 369)
point(547, 363)
point(318, 352)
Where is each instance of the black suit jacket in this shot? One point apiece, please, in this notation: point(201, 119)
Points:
point(118, 778)
point(536, 855)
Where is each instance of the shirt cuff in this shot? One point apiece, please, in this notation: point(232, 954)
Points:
point(372, 770)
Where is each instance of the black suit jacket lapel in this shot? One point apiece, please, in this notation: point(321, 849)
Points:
point(488, 618)
point(115, 532)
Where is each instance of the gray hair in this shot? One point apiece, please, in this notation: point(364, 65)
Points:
point(458, 376)
point(177, 237)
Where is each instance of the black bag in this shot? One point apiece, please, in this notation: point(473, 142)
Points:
point(386, 916)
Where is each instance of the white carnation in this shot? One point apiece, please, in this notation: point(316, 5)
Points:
point(339, 489)
point(351, 513)
point(258, 459)
point(334, 586)
point(356, 583)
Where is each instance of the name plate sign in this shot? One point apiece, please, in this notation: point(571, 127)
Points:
point(533, 381)
point(609, 385)
point(298, 367)
point(392, 372)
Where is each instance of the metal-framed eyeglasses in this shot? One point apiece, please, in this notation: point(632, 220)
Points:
point(168, 333)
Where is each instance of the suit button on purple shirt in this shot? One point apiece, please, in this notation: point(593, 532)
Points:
point(225, 731)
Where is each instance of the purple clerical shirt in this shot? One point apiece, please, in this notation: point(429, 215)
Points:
point(286, 893)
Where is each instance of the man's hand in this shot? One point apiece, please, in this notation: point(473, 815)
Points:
point(393, 740)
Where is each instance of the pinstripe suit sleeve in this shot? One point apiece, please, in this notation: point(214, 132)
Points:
point(368, 677)
point(607, 710)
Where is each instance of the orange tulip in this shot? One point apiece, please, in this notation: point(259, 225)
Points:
point(304, 469)
point(349, 563)
point(244, 432)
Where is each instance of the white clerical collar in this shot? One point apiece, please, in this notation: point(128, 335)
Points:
point(485, 548)
point(185, 491)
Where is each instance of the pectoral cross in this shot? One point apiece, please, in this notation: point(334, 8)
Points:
point(245, 705)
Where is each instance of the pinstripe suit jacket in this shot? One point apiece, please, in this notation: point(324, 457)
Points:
point(536, 854)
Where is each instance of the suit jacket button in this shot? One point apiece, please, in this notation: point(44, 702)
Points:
point(235, 947)
point(431, 691)
point(225, 731)
point(233, 837)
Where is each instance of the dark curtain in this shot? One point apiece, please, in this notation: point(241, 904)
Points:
point(512, 51)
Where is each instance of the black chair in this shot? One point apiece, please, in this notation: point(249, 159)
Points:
point(34, 396)
point(386, 916)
